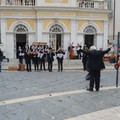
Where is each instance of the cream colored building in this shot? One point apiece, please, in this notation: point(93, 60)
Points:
point(57, 22)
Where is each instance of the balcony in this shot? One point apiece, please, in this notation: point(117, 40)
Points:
point(18, 2)
point(87, 4)
point(93, 4)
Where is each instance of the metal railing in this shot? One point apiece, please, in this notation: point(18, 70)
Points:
point(20, 2)
point(80, 3)
point(93, 4)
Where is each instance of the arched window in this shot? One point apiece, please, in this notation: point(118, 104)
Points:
point(90, 30)
point(20, 29)
point(56, 29)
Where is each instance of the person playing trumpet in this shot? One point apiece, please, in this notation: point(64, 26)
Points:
point(60, 56)
point(36, 60)
point(28, 58)
point(42, 56)
point(50, 58)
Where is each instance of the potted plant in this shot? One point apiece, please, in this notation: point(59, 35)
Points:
point(112, 58)
point(106, 58)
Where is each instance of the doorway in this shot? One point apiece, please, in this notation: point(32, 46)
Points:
point(58, 41)
point(20, 41)
point(55, 41)
point(89, 40)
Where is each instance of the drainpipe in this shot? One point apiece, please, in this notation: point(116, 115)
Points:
point(114, 19)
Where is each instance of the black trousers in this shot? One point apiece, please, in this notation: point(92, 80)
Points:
point(95, 79)
point(28, 66)
point(36, 64)
point(42, 63)
point(60, 65)
point(21, 60)
point(50, 65)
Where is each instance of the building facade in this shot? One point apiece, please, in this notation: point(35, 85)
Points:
point(114, 22)
point(57, 22)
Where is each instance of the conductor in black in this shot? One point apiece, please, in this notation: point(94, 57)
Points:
point(94, 65)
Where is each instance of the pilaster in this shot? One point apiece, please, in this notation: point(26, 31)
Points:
point(39, 30)
point(73, 31)
point(105, 39)
point(3, 32)
point(73, 3)
point(39, 2)
point(3, 2)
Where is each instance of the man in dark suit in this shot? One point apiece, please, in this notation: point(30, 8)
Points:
point(50, 58)
point(60, 56)
point(28, 58)
point(94, 65)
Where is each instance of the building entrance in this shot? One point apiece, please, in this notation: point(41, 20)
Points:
point(20, 41)
point(56, 37)
point(55, 40)
point(58, 41)
point(89, 40)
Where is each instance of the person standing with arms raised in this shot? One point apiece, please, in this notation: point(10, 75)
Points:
point(94, 65)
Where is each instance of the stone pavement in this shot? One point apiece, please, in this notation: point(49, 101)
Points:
point(58, 95)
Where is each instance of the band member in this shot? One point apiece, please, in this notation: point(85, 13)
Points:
point(42, 59)
point(26, 47)
point(20, 55)
point(28, 58)
point(36, 60)
point(50, 58)
point(60, 56)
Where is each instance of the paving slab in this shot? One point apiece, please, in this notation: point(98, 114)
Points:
point(57, 96)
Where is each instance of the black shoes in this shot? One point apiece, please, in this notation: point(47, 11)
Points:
point(97, 90)
point(91, 90)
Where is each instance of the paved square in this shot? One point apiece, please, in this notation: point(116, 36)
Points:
point(57, 96)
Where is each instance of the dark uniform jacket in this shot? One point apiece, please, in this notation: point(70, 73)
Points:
point(95, 59)
point(60, 55)
point(50, 56)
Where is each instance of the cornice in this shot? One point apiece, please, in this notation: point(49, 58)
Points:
point(52, 9)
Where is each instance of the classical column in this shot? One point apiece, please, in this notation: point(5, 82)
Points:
point(105, 40)
point(39, 29)
point(73, 31)
point(3, 32)
point(73, 3)
point(3, 2)
point(39, 2)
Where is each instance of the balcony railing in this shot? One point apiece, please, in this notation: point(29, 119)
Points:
point(93, 4)
point(20, 2)
point(80, 3)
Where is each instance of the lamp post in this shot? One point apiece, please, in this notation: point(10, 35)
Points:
point(118, 46)
point(114, 11)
